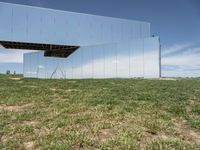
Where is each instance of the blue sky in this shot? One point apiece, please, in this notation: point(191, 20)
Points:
point(177, 22)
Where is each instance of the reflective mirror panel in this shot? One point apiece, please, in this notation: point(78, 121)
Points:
point(136, 58)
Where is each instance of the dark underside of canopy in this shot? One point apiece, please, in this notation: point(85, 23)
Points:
point(50, 50)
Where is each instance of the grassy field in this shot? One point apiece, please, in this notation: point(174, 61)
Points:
point(99, 114)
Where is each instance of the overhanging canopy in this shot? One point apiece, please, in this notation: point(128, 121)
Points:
point(51, 50)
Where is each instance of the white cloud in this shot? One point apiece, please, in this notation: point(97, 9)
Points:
point(12, 56)
point(1, 47)
point(173, 49)
point(41, 67)
point(189, 57)
point(183, 61)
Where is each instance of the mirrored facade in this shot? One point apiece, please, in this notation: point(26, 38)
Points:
point(108, 47)
point(131, 59)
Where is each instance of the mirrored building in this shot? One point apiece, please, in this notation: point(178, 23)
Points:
point(78, 46)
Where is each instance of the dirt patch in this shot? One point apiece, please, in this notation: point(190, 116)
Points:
point(30, 86)
point(181, 130)
point(106, 134)
point(4, 139)
point(71, 81)
point(189, 108)
point(187, 132)
point(16, 79)
point(9, 138)
point(42, 131)
point(67, 90)
point(29, 145)
point(52, 89)
point(168, 79)
point(15, 108)
point(31, 123)
point(71, 90)
point(149, 138)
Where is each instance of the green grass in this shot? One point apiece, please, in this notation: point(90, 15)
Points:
point(99, 114)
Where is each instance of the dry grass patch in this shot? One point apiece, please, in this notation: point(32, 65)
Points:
point(148, 138)
point(43, 131)
point(168, 79)
point(53, 89)
point(106, 134)
point(64, 90)
point(15, 108)
point(30, 86)
point(72, 90)
point(185, 131)
point(29, 145)
point(72, 81)
point(16, 79)
point(31, 123)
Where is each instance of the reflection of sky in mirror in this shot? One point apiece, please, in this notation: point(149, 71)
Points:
point(30, 24)
point(121, 60)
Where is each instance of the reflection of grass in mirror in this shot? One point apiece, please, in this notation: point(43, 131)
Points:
point(101, 114)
